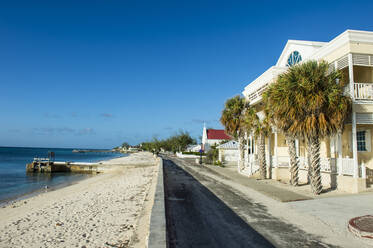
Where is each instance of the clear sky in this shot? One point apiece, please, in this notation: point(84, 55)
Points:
point(97, 73)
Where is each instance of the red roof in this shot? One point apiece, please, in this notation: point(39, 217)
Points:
point(217, 134)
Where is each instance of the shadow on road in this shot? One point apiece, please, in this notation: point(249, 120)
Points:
point(197, 218)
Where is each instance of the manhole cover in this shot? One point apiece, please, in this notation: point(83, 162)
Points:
point(362, 226)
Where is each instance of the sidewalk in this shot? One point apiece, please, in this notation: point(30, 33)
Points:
point(262, 186)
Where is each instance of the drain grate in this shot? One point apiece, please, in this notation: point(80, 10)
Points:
point(362, 226)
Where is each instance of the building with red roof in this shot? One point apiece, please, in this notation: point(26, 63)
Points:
point(212, 137)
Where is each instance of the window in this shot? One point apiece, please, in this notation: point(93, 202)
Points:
point(361, 141)
point(294, 58)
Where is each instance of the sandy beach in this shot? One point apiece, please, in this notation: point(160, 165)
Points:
point(102, 211)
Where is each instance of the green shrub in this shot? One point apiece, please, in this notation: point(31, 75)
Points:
point(218, 163)
point(194, 153)
point(212, 156)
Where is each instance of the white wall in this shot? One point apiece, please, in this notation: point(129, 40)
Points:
point(231, 155)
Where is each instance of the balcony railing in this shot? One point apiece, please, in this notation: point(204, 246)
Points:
point(363, 91)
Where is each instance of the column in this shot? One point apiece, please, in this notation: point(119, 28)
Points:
point(297, 147)
point(351, 76)
point(269, 161)
point(246, 150)
point(354, 139)
point(339, 145)
point(354, 145)
point(251, 153)
point(275, 150)
point(250, 145)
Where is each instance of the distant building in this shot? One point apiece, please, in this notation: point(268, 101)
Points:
point(193, 148)
point(133, 149)
point(228, 152)
point(211, 137)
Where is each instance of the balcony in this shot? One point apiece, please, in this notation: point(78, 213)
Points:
point(253, 91)
point(363, 91)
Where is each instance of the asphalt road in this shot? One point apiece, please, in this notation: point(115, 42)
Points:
point(199, 214)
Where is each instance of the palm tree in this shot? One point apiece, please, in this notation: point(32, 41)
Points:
point(308, 102)
point(231, 119)
point(290, 139)
point(260, 128)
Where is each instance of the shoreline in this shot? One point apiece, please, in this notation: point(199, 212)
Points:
point(24, 196)
point(102, 210)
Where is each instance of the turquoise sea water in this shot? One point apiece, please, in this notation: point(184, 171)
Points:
point(15, 182)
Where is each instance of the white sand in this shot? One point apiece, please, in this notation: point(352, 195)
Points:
point(101, 211)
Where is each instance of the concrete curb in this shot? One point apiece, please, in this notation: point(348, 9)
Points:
point(157, 232)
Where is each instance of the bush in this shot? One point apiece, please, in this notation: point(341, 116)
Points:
point(218, 163)
point(194, 153)
point(212, 156)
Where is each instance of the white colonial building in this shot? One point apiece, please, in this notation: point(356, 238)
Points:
point(347, 159)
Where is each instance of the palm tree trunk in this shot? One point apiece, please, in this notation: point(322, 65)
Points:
point(309, 170)
point(241, 148)
point(316, 185)
point(262, 157)
point(294, 167)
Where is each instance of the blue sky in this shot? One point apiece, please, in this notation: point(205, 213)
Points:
point(97, 73)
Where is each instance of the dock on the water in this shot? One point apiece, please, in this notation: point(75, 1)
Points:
point(50, 166)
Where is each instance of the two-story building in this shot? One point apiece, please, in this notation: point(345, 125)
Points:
point(347, 158)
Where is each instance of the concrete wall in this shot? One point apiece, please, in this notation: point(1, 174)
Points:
point(350, 184)
point(229, 155)
point(157, 229)
point(282, 148)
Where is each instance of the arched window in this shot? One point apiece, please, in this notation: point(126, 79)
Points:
point(294, 58)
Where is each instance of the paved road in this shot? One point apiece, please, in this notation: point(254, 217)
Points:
point(199, 214)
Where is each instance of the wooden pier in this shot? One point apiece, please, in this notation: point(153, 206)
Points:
point(46, 165)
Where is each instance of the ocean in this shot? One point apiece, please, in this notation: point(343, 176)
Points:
point(15, 182)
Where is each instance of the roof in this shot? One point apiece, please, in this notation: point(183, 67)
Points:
point(217, 134)
point(229, 145)
point(306, 48)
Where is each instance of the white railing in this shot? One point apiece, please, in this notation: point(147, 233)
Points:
point(363, 91)
point(327, 164)
point(347, 166)
point(251, 167)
